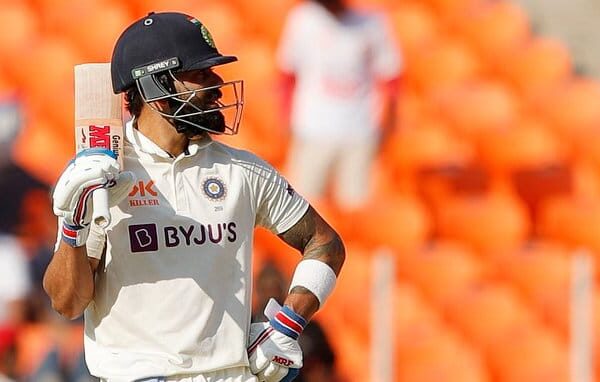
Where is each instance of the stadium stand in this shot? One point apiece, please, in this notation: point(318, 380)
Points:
point(488, 185)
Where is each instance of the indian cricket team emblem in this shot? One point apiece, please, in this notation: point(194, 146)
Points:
point(207, 37)
point(205, 33)
point(214, 189)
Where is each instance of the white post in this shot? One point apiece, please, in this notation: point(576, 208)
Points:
point(581, 322)
point(382, 330)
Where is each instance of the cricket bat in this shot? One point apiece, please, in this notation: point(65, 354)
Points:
point(98, 123)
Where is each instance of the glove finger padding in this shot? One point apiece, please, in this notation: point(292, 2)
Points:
point(272, 355)
point(91, 169)
point(120, 188)
point(273, 373)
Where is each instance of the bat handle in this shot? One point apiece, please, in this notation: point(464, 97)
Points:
point(100, 215)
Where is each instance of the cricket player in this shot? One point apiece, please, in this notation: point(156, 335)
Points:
point(165, 289)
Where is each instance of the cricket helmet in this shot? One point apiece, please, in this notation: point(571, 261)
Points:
point(151, 50)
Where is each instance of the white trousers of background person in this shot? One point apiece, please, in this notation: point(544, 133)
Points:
point(313, 164)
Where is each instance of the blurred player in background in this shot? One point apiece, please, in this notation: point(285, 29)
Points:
point(333, 58)
point(166, 287)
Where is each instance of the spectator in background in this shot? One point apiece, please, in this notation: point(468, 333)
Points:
point(319, 359)
point(270, 282)
point(333, 60)
point(15, 282)
point(27, 235)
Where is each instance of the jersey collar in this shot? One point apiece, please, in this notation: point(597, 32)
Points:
point(144, 144)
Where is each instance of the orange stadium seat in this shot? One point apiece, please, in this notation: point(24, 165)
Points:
point(490, 313)
point(442, 270)
point(429, 144)
point(224, 22)
point(574, 220)
point(267, 29)
point(487, 222)
point(443, 65)
point(256, 67)
point(415, 27)
point(574, 108)
point(452, 10)
point(412, 107)
point(536, 355)
point(536, 185)
point(276, 250)
point(351, 352)
point(414, 319)
point(52, 97)
point(18, 27)
point(140, 8)
point(538, 66)
point(445, 357)
point(527, 144)
point(56, 16)
point(95, 31)
point(495, 29)
point(42, 149)
point(7, 87)
point(542, 271)
point(399, 222)
point(476, 108)
point(351, 300)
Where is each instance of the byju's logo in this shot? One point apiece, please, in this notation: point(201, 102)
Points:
point(143, 238)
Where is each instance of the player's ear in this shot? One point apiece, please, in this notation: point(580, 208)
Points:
point(161, 105)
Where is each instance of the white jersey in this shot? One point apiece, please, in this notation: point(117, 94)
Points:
point(173, 295)
point(336, 64)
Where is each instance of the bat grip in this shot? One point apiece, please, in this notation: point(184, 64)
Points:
point(100, 215)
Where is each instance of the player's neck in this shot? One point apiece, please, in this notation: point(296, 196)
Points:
point(162, 133)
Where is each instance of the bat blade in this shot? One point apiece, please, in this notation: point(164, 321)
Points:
point(98, 123)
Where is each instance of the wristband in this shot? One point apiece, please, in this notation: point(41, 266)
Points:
point(288, 322)
point(75, 235)
point(316, 276)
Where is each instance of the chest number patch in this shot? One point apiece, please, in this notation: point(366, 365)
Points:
point(214, 189)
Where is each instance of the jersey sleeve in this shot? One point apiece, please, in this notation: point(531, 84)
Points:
point(386, 60)
point(278, 205)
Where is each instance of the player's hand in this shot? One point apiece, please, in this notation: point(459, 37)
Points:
point(273, 349)
point(90, 170)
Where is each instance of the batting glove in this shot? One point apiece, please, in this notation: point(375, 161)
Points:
point(273, 350)
point(90, 170)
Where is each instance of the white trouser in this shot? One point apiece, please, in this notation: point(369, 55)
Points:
point(312, 163)
point(234, 374)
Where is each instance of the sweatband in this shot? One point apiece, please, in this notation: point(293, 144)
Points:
point(316, 276)
point(75, 235)
point(288, 322)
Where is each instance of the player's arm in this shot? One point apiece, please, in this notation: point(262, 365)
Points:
point(69, 280)
point(316, 240)
point(390, 90)
point(287, 84)
point(273, 351)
